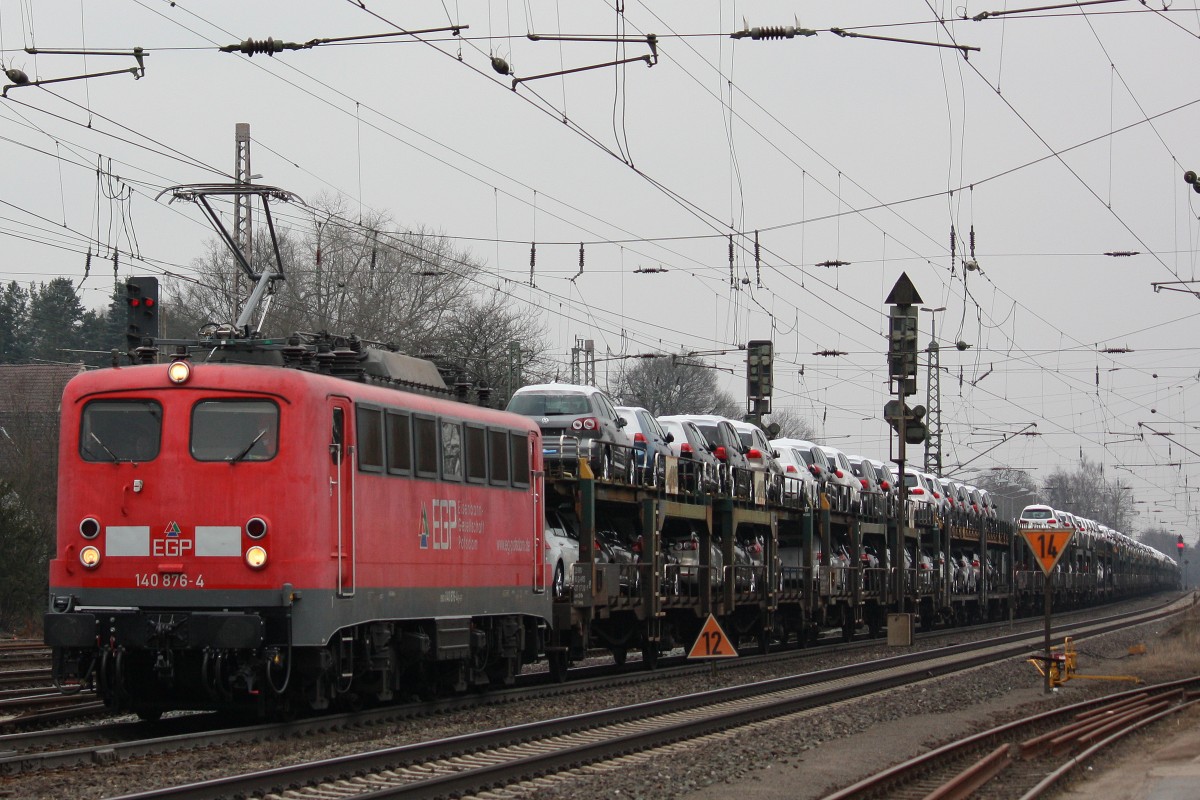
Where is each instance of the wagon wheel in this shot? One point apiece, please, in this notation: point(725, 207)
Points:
point(650, 655)
point(619, 654)
point(560, 580)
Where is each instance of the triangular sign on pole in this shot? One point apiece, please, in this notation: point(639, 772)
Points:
point(1047, 544)
point(903, 293)
point(712, 642)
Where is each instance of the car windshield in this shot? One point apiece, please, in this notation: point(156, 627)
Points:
point(710, 433)
point(1037, 513)
point(546, 404)
point(747, 438)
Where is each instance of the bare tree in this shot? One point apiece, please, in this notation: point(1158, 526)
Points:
point(476, 341)
point(410, 289)
point(792, 425)
point(1012, 489)
point(1086, 492)
point(674, 385)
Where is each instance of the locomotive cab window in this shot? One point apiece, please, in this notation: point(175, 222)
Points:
point(425, 439)
point(476, 456)
point(370, 438)
point(498, 456)
point(520, 459)
point(452, 452)
point(120, 430)
point(235, 430)
point(399, 443)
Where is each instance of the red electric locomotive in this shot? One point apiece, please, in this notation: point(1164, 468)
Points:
point(247, 535)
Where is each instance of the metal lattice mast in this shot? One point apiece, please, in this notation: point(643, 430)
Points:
point(933, 417)
point(583, 362)
point(242, 205)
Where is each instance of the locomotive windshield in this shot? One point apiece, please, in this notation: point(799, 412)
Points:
point(120, 430)
point(235, 430)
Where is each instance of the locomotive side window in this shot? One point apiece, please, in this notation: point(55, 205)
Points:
point(498, 456)
point(370, 438)
point(425, 439)
point(476, 456)
point(336, 436)
point(520, 459)
point(120, 430)
point(235, 430)
point(399, 443)
point(452, 455)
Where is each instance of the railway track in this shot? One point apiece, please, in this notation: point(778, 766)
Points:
point(31, 746)
point(478, 762)
point(1029, 757)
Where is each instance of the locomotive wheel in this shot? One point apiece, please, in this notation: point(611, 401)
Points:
point(149, 714)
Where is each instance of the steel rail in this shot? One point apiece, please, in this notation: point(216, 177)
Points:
point(610, 733)
point(36, 750)
point(1012, 739)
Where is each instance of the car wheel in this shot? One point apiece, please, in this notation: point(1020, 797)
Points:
point(606, 464)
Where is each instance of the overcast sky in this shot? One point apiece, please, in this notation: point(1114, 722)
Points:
point(1063, 137)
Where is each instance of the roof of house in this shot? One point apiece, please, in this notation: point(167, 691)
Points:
point(34, 388)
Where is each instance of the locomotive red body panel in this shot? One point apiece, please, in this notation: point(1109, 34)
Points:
point(275, 508)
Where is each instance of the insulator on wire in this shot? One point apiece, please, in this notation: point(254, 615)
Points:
point(251, 47)
point(757, 262)
point(972, 240)
point(772, 32)
point(116, 260)
point(532, 261)
point(732, 279)
point(581, 256)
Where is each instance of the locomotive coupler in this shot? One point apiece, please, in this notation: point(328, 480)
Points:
point(164, 666)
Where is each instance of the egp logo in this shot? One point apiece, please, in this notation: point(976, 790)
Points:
point(172, 544)
point(438, 527)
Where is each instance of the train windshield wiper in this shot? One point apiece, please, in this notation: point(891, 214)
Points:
point(249, 447)
point(96, 439)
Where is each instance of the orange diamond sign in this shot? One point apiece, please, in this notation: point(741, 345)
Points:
point(1047, 544)
point(712, 642)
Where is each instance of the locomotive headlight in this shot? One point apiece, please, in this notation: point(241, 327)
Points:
point(90, 556)
point(89, 528)
point(256, 557)
point(179, 372)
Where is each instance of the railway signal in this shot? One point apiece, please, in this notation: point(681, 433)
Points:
point(141, 311)
point(915, 430)
point(759, 380)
